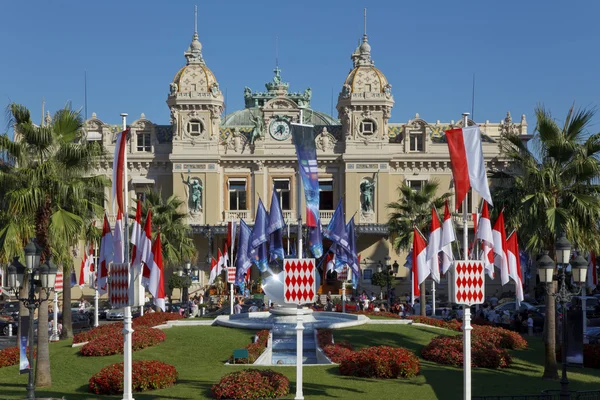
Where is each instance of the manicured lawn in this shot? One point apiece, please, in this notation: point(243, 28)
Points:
point(199, 353)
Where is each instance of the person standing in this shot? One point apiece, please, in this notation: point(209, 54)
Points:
point(237, 309)
point(530, 325)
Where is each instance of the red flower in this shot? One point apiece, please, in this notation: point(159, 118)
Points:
point(252, 384)
point(381, 362)
point(146, 375)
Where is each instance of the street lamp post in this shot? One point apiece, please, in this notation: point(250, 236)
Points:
point(563, 295)
point(40, 276)
point(187, 273)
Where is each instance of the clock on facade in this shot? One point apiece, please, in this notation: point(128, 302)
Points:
point(279, 129)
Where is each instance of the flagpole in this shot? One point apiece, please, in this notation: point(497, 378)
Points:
point(299, 325)
point(231, 284)
point(96, 297)
point(466, 309)
point(127, 325)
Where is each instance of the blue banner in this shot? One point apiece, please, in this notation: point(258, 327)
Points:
point(275, 229)
point(23, 360)
point(306, 151)
point(257, 252)
point(242, 262)
point(336, 230)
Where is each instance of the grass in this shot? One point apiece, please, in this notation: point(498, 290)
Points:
point(199, 352)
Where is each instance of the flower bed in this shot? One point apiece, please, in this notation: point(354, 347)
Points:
point(252, 384)
point(500, 337)
point(112, 329)
point(254, 349)
point(448, 350)
point(335, 351)
point(113, 344)
point(452, 325)
point(11, 355)
point(591, 355)
point(381, 362)
point(146, 375)
point(154, 319)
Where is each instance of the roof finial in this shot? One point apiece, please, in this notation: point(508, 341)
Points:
point(276, 51)
point(195, 19)
point(365, 33)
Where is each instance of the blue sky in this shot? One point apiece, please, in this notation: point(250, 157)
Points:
point(522, 52)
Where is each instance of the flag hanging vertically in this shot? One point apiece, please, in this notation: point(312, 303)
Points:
point(307, 164)
point(468, 166)
point(353, 261)
point(592, 273)
point(257, 250)
point(136, 235)
point(335, 230)
point(434, 246)
point(118, 239)
point(242, 262)
point(500, 248)
point(144, 257)
point(514, 265)
point(213, 271)
point(275, 227)
point(105, 257)
point(220, 263)
point(84, 269)
point(119, 170)
point(420, 271)
point(448, 236)
point(484, 233)
point(157, 275)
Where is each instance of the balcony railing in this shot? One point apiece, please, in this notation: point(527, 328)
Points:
point(236, 215)
point(325, 215)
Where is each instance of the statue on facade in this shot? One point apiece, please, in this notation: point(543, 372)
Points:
point(247, 93)
point(308, 94)
point(219, 285)
point(173, 88)
point(214, 89)
point(195, 193)
point(367, 190)
point(346, 91)
point(258, 128)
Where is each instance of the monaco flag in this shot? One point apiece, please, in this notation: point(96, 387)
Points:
point(501, 248)
point(434, 246)
point(136, 234)
point(514, 265)
point(484, 233)
point(144, 257)
point(213, 271)
point(119, 170)
point(220, 262)
point(468, 166)
point(448, 236)
point(592, 273)
point(420, 270)
point(84, 269)
point(105, 257)
point(157, 275)
point(118, 239)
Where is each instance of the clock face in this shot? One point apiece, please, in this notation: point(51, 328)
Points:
point(279, 129)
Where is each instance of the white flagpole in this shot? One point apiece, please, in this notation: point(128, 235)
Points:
point(127, 325)
point(299, 325)
point(467, 309)
point(96, 258)
point(231, 284)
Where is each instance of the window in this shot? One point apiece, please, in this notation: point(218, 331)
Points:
point(367, 127)
point(368, 87)
point(416, 141)
point(416, 185)
point(195, 127)
point(282, 188)
point(237, 194)
point(469, 203)
point(367, 274)
point(326, 194)
point(143, 142)
point(193, 87)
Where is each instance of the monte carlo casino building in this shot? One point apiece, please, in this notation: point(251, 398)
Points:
point(240, 157)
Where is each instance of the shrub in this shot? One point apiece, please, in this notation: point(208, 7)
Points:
point(324, 337)
point(381, 362)
point(146, 375)
point(448, 350)
point(338, 352)
point(481, 321)
point(500, 337)
point(154, 319)
point(254, 349)
point(114, 328)
point(11, 356)
point(252, 384)
point(113, 344)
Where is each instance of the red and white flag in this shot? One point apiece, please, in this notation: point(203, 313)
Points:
point(136, 235)
point(58, 283)
point(157, 275)
point(231, 230)
point(468, 165)
point(118, 239)
point(420, 269)
point(329, 262)
point(434, 246)
point(84, 269)
point(220, 263)
point(448, 236)
point(484, 233)
point(105, 257)
point(213, 271)
point(119, 171)
point(225, 257)
point(514, 265)
point(500, 248)
point(592, 273)
point(144, 257)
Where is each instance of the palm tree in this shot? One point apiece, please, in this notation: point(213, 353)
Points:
point(45, 183)
point(176, 240)
point(552, 187)
point(413, 209)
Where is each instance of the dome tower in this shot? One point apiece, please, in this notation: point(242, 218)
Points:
point(195, 100)
point(365, 102)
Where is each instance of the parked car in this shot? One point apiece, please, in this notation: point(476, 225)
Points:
point(5, 326)
point(117, 314)
point(10, 309)
point(592, 334)
point(511, 306)
point(103, 307)
point(592, 308)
